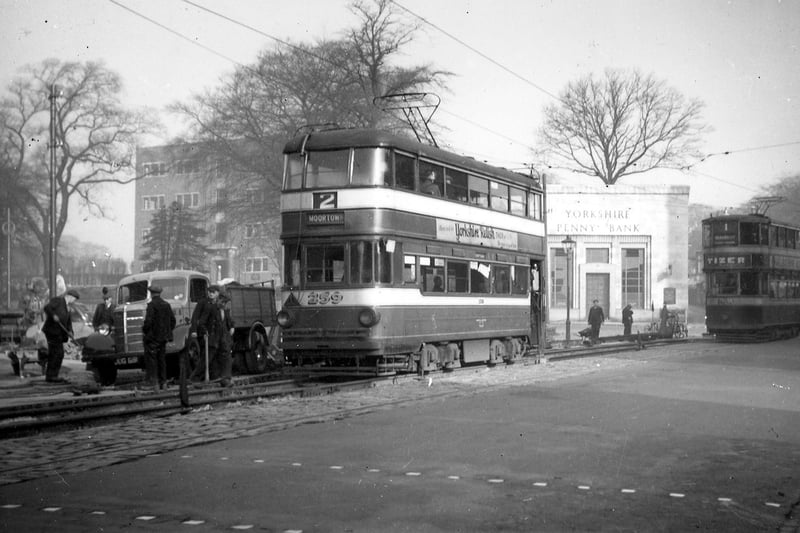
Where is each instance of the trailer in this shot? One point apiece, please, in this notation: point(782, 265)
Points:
point(120, 346)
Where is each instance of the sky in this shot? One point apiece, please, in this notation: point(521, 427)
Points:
point(508, 58)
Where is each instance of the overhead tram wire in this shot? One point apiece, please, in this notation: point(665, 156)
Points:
point(285, 43)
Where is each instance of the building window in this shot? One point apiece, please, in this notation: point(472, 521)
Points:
point(155, 169)
point(222, 198)
point(153, 203)
point(252, 230)
point(188, 199)
point(558, 278)
point(255, 196)
point(145, 234)
point(597, 255)
point(633, 277)
point(187, 166)
point(220, 232)
point(256, 264)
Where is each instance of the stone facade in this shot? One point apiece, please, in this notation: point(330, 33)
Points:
point(631, 247)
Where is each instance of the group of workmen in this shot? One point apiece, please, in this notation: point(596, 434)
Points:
point(211, 324)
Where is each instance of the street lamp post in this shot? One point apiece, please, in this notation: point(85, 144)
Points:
point(568, 245)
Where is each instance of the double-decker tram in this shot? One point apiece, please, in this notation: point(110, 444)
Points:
point(752, 267)
point(400, 256)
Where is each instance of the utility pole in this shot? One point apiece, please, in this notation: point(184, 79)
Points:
point(55, 92)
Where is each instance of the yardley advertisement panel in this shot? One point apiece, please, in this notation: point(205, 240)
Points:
point(476, 234)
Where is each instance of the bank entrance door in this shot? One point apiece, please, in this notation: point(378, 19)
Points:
point(598, 288)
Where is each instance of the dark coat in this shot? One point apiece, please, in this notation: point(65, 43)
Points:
point(159, 321)
point(627, 315)
point(596, 315)
point(207, 320)
point(53, 330)
point(103, 315)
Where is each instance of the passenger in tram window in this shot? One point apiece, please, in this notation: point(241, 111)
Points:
point(429, 186)
point(438, 285)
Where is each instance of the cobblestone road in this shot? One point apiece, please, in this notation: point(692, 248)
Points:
point(78, 450)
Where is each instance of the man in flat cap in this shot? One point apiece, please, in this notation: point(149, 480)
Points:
point(159, 322)
point(57, 329)
point(213, 327)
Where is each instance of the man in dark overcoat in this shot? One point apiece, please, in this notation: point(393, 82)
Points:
point(57, 329)
point(212, 325)
point(627, 319)
point(159, 322)
point(596, 318)
point(104, 312)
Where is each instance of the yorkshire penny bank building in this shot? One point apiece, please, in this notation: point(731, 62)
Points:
point(630, 246)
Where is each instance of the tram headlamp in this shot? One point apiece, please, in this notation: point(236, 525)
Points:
point(104, 329)
point(285, 320)
point(368, 317)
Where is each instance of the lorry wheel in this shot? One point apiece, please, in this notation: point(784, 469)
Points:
point(104, 372)
point(259, 359)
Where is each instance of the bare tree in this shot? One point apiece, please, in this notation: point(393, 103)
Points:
point(95, 140)
point(622, 124)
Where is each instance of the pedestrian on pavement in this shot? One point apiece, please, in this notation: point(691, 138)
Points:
point(596, 318)
point(104, 312)
point(57, 329)
point(159, 322)
point(627, 319)
point(212, 325)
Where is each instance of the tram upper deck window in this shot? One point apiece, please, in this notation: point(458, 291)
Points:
point(294, 172)
point(425, 184)
point(535, 205)
point(371, 166)
point(499, 196)
point(479, 191)
point(749, 232)
point(517, 201)
point(404, 171)
point(325, 263)
point(456, 185)
point(327, 169)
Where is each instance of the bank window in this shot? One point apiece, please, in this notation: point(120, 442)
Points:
point(371, 166)
point(597, 255)
point(558, 278)
point(432, 271)
point(633, 277)
point(404, 170)
point(457, 276)
point(327, 169)
point(499, 196)
point(325, 263)
point(456, 185)
point(256, 264)
point(478, 191)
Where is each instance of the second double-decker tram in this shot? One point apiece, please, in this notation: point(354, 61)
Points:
point(399, 256)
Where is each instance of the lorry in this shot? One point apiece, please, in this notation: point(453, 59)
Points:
point(120, 345)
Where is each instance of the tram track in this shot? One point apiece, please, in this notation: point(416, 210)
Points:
point(61, 413)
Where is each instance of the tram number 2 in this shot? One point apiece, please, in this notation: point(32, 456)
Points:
point(324, 297)
point(325, 200)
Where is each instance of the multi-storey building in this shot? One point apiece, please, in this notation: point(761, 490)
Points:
point(238, 210)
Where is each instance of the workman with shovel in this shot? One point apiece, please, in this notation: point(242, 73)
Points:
point(57, 329)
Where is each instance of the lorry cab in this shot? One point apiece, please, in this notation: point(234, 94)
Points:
point(122, 347)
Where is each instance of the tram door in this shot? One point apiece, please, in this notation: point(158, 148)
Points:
point(598, 288)
point(537, 303)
